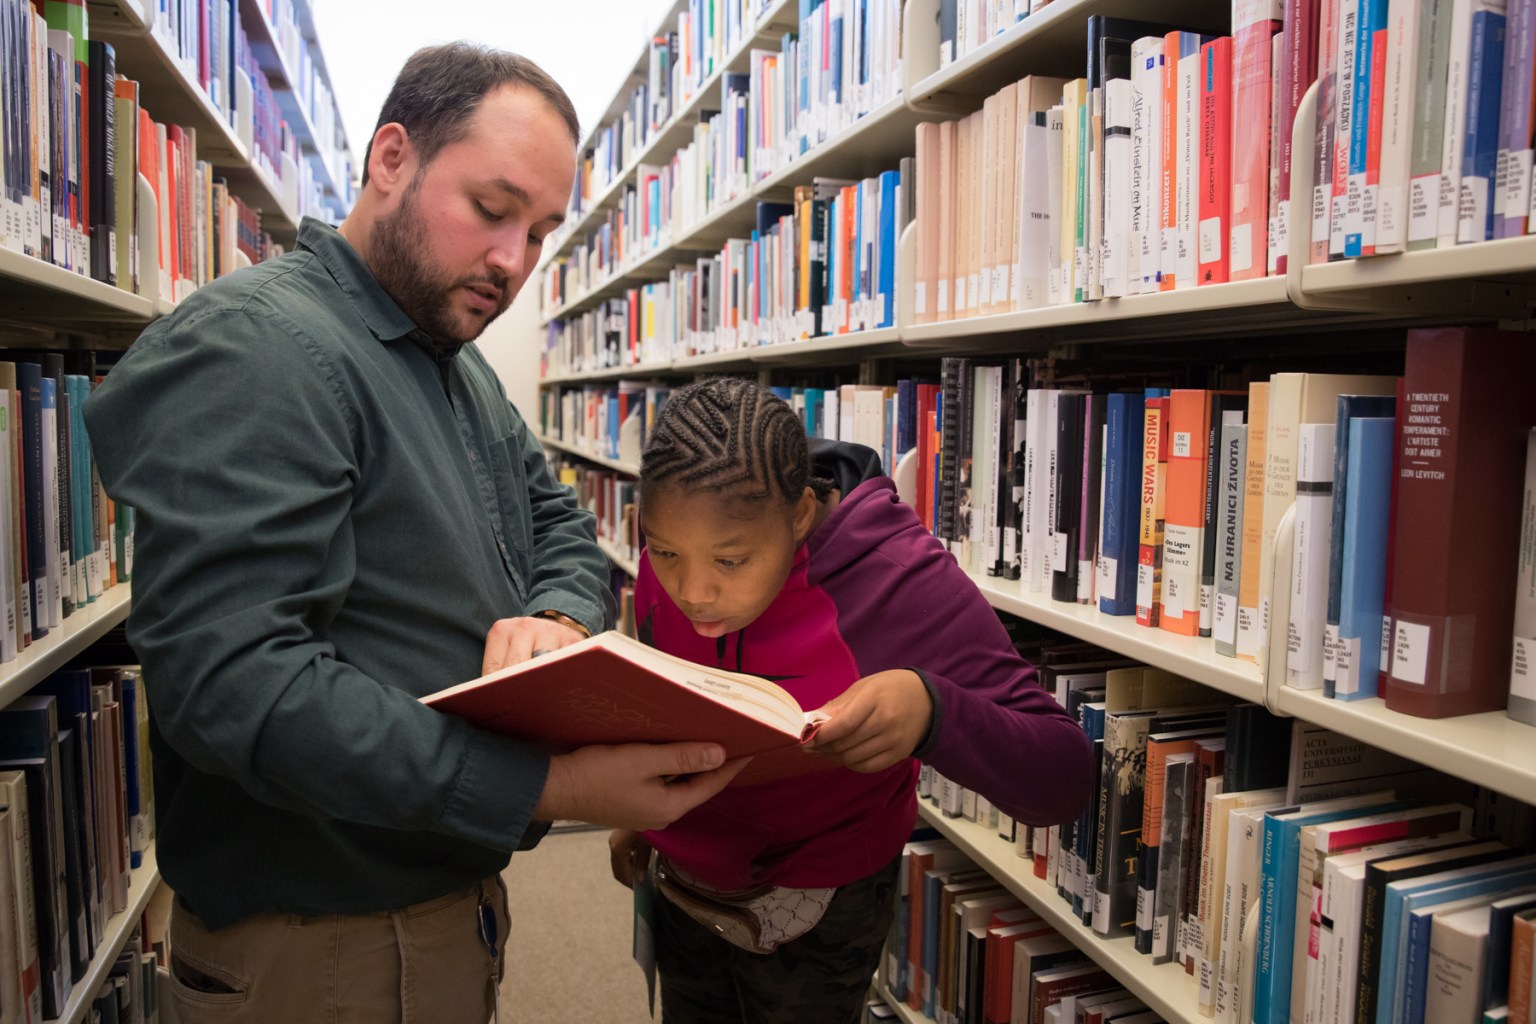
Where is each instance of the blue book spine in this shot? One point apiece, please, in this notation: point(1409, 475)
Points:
point(1481, 142)
point(906, 417)
point(835, 46)
point(1415, 968)
point(35, 388)
point(1370, 33)
point(1124, 420)
point(1499, 876)
point(890, 184)
point(1349, 408)
point(1364, 559)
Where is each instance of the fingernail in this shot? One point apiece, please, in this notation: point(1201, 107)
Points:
point(714, 757)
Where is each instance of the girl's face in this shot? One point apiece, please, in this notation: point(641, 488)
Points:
point(722, 561)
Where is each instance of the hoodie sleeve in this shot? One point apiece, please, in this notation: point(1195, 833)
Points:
point(907, 604)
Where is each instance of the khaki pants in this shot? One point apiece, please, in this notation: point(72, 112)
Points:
point(424, 963)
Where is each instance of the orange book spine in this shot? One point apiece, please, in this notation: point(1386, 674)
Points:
point(1188, 436)
point(1169, 177)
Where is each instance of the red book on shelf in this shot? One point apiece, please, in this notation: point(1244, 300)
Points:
point(1215, 184)
point(612, 688)
point(1469, 407)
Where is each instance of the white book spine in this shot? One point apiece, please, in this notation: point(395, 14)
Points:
point(1458, 65)
point(1522, 675)
point(1035, 217)
point(1119, 199)
point(1309, 564)
point(1146, 161)
point(1392, 213)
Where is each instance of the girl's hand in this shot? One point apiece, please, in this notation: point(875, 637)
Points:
point(876, 722)
point(627, 854)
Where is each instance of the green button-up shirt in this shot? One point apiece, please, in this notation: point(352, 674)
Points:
point(331, 515)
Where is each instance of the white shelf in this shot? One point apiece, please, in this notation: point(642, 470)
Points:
point(79, 631)
point(629, 565)
point(38, 292)
point(1165, 988)
point(145, 878)
point(1191, 657)
point(1490, 749)
point(580, 452)
point(607, 373)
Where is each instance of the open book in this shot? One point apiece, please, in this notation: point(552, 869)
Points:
point(611, 688)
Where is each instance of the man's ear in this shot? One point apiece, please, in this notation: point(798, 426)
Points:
point(392, 158)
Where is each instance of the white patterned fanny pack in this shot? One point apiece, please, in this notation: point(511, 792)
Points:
point(758, 919)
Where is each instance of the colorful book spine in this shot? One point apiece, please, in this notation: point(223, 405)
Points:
point(1125, 418)
point(1517, 120)
point(1480, 147)
point(1188, 430)
point(1234, 438)
point(1154, 469)
point(1254, 25)
point(1213, 205)
point(1297, 73)
point(1364, 559)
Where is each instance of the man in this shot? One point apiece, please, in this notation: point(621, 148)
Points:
point(339, 512)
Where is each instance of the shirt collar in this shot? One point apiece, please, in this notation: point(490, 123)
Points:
point(380, 312)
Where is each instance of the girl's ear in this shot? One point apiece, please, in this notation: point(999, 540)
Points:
point(805, 515)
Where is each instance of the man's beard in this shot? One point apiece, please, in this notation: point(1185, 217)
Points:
point(423, 290)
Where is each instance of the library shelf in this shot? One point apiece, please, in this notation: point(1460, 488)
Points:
point(44, 657)
point(1191, 657)
point(1490, 749)
point(1165, 988)
point(170, 92)
point(590, 456)
point(677, 132)
point(264, 42)
point(141, 886)
point(1048, 42)
point(606, 373)
point(32, 291)
point(618, 558)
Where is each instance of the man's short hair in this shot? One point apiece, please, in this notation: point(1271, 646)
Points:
point(440, 87)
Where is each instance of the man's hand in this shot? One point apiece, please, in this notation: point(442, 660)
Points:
point(634, 785)
point(513, 640)
point(627, 853)
point(876, 722)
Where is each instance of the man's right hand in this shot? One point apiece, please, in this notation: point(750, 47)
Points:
point(635, 786)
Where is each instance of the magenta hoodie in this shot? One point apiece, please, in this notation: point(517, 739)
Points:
point(871, 590)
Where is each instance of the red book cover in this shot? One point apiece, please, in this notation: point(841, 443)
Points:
point(1373, 138)
point(1302, 18)
point(1254, 25)
point(1215, 211)
point(1469, 407)
point(997, 977)
point(172, 200)
point(611, 688)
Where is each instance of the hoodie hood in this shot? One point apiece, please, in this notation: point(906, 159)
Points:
point(870, 514)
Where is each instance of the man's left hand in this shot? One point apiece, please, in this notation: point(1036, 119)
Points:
point(513, 640)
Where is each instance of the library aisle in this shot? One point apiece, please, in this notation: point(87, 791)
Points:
point(568, 954)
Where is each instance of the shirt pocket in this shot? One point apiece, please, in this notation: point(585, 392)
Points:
point(509, 480)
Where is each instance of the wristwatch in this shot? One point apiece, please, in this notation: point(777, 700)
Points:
point(563, 619)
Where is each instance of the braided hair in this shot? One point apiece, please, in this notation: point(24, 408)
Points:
point(731, 436)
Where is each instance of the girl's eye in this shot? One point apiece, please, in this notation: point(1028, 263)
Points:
point(730, 563)
point(655, 554)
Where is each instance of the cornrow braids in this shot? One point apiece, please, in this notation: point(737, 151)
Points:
point(729, 435)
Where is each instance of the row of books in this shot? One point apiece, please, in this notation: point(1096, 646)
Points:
point(964, 949)
point(824, 264)
point(70, 169)
point(208, 38)
point(610, 497)
point(307, 80)
point(678, 62)
point(78, 816)
point(1211, 813)
point(63, 542)
point(785, 105)
point(608, 421)
point(965, 25)
point(129, 994)
point(1425, 124)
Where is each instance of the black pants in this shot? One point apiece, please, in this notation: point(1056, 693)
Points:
point(822, 977)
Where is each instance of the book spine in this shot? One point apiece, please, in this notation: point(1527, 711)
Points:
point(1485, 68)
point(1364, 557)
point(1234, 446)
point(1324, 130)
point(1154, 468)
point(1298, 72)
point(1308, 578)
point(1247, 137)
point(1517, 119)
point(1522, 673)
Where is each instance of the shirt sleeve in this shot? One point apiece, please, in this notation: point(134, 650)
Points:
point(994, 729)
point(228, 436)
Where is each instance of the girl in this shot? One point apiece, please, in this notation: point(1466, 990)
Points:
point(796, 561)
